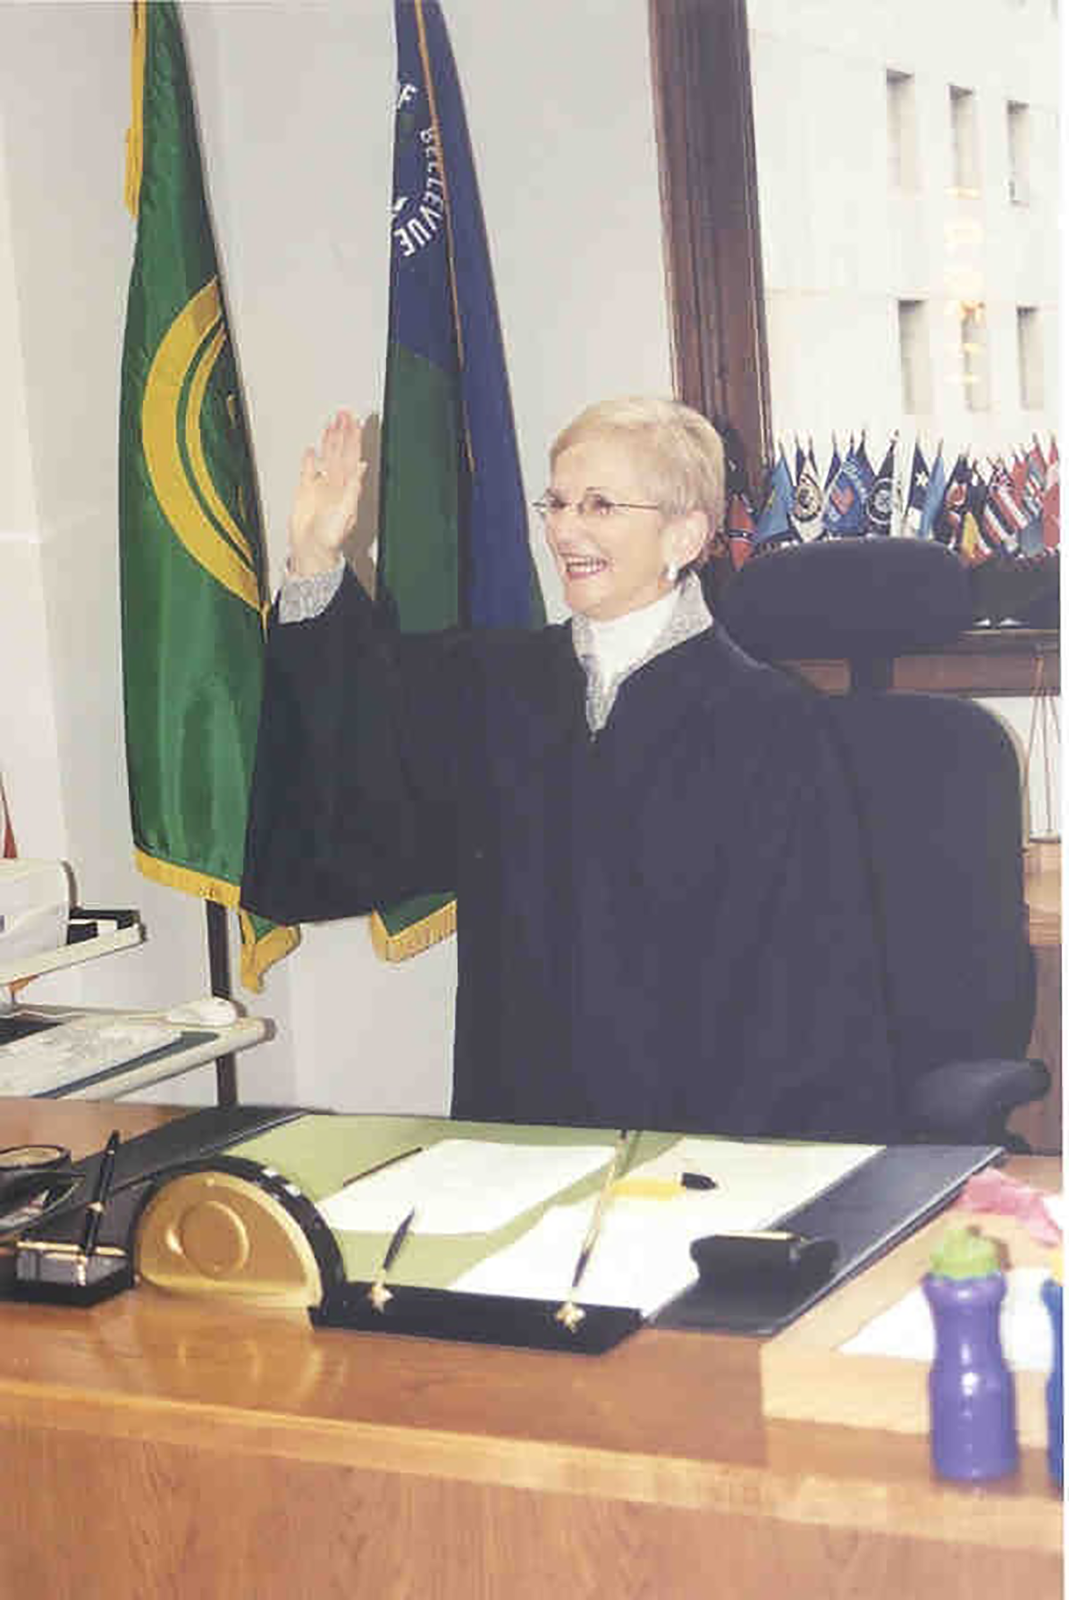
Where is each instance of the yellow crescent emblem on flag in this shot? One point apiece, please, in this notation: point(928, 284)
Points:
point(170, 420)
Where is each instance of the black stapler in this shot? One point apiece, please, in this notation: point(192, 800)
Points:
point(754, 1282)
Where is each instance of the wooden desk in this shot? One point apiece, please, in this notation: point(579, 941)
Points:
point(153, 1447)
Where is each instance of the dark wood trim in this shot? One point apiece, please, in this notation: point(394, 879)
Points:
point(708, 175)
point(981, 662)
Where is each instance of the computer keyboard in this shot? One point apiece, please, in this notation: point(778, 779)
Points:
point(73, 1052)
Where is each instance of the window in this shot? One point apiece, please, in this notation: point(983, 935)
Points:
point(1017, 131)
point(1030, 357)
point(901, 130)
point(974, 356)
point(913, 356)
point(827, 327)
point(965, 158)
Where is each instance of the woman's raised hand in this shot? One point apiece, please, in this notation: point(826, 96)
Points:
point(327, 496)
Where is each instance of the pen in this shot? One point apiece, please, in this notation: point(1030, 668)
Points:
point(651, 1188)
point(378, 1294)
point(569, 1313)
point(402, 1155)
point(94, 1211)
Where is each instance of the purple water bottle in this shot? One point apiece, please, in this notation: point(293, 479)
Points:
point(970, 1387)
point(1051, 1293)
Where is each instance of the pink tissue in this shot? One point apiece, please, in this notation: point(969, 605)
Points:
point(991, 1190)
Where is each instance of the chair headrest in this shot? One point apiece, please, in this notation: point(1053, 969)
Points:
point(847, 599)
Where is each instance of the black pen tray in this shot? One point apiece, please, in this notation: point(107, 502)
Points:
point(475, 1318)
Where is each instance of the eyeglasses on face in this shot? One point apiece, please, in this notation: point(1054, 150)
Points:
point(592, 506)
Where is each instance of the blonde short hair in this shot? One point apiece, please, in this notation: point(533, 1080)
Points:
point(679, 449)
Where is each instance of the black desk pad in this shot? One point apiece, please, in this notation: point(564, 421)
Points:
point(866, 1214)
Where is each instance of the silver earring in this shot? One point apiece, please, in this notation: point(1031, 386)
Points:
point(671, 572)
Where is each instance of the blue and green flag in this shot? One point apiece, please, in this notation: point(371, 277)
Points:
point(191, 551)
point(453, 546)
point(933, 496)
point(775, 523)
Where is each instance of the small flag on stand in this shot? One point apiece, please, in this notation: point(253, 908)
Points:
point(774, 523)
point(740, 528)
point(916, 493)
point(972, 546)
point(1004, 518)
point(739, 521)
point(933, 498)
point(878, 500)
point(1052, 500)
point(808, 505)
point(947, 525)
point(1033, 486)
point(900, 476)
point(844, 509)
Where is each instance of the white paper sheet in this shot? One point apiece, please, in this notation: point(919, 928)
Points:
point(461, 1186)
point(756, 1183)
point(905, 1329)
point(642, 1257)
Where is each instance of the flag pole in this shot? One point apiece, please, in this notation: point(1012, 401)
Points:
point(226, 1078)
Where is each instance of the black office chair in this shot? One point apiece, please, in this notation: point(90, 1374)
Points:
point(938, 789)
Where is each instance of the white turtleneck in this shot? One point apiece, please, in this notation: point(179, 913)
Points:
point(610, 651)
point(621, 642)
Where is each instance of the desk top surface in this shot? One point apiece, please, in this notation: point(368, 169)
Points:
point(686, 1418)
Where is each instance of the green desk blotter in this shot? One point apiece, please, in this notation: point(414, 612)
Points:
point(320, 1152)
point(244, 1223)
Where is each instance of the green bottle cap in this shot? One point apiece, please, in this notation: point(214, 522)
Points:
point(964, 1253)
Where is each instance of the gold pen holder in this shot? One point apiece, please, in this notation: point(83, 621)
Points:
point(232, 1229)
point(63, 1274)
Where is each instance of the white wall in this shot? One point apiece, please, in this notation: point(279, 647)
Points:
point(26, 707)
point(295, 102)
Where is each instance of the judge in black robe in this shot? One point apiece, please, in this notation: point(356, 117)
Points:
point(663, 924)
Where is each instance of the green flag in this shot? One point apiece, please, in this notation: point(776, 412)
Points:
point(191, 551)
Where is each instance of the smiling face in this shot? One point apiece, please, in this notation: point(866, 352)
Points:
point(611, 560)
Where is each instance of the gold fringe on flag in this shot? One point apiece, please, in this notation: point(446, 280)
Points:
point(257, 955)
point(416, 938)
point(202, 884)
point(135, 133)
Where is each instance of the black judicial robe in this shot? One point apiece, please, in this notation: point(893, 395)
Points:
point(667, 925)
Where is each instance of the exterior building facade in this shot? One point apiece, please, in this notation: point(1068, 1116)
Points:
point(907, 161)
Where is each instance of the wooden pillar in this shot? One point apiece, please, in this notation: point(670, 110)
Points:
point(708, 172)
